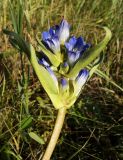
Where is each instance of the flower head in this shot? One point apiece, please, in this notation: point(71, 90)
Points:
point(56, 36)
point(51, 40)
point(68, 88)
point(75, 48)
point(63, 80)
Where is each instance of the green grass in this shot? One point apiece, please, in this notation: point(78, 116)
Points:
point(93, 127)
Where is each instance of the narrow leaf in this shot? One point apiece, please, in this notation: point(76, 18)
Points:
point(15, 39)
point(96, 65)
point(25, 123)
point(36, 138)
point(20, 17)
point(13, 16)
point(18, 157)
point(103, 75)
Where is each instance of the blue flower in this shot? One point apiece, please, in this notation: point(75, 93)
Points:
point(75, 48)
point(51, 39)
point(80, 80)
point(56, 35)
point(62, 31)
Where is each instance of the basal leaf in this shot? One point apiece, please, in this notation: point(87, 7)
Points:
point(36, 138)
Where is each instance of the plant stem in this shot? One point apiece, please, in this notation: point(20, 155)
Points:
point(55, 134)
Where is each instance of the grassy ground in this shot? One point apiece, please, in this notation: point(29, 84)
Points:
point(93, 128)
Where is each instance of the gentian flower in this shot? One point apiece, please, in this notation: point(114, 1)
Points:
point(51, 40)
point(75, 48)
point(62, 31)
point(80, 80)
point(56, 36)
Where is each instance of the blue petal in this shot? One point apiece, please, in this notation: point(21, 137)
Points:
point(44, 62)
point(49, 43)
point(79, 43)
point(73, 57)
point(86, 46)
point(63, 31)
point(45, 35)
point(47, 66)
point(65, 64)
point(52, 75)
point(80, 81)
point(63, 82)
point(64, 85)
point(56, 44)
point(53, 44)
point(56, 28)
point(52, 32)
point(70, 45)
point(82, 77)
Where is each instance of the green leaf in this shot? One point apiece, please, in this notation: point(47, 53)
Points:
point(25, 123)
point(44, 76)
point(103, 75)
point(36, 138)
point(17, 16)
point(90, 55)
point(17, 41)
point(13, 16)
point(96, 65)
point(18, 157)
point(20, 16)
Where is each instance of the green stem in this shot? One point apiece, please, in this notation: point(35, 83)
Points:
point(55, 134)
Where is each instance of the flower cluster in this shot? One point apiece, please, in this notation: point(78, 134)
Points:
point(61, 65)
point(69, 51)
